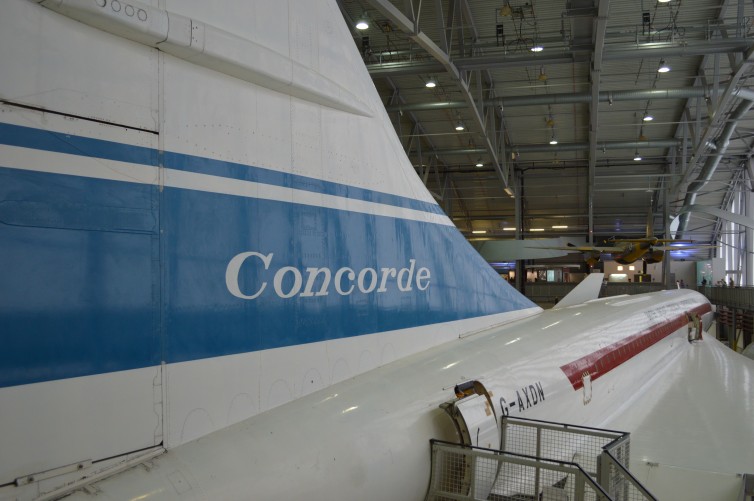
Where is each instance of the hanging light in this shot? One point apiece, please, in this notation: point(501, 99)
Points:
point(431, 83)
point(537, 47)
point(637, 157)
point(479, 163)
point(459, 123)
point(648, 117)
point(663, 68)
point(553, 139)
point(363, 22)
point(542, 75)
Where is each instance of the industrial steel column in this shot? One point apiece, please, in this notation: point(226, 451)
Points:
point(519, 215)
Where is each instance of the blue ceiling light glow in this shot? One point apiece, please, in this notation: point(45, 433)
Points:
point(503, 265)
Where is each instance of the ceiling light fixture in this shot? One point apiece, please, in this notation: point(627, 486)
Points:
point(508, 191)
point(553, 139)
point(637, 157)
point(648, 117)
point(431, 83)
point(537, 47)
point(560, 227)
point(363, 22)
point(663, 68)
point(537, 229)
point(479, 232)
point(479, 163)
point(459, 123)
point(508, 228)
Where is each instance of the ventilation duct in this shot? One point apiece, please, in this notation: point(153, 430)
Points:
point(711, 164)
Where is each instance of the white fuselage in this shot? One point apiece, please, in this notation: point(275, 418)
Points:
point(216, 251)
point(368, 437)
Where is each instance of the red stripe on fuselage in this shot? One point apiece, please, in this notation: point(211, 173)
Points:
point(604, 360)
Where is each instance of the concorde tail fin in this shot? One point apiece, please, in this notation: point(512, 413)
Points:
point(204, 210)
point(586, 290)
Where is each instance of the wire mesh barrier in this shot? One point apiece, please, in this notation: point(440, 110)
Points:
point(462, 472)
point(558, 441)
point(539, 460)
point(615, 477)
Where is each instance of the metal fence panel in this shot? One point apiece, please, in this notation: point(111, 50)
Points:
point(466, 473)
point(541, 460)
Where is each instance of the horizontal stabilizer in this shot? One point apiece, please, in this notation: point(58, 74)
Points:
point(587, 290)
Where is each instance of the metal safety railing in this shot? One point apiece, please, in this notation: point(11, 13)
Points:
point(555, 291)
point(734, 297)
point(466, 473)
point(604, 454)
point(539, 460)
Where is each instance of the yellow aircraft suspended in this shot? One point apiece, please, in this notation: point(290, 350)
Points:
point(627, 250)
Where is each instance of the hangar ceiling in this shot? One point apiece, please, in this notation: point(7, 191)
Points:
point(566, 129)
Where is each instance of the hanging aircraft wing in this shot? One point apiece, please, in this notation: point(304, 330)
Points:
point(507, 250)
point(587, 248)
point(685, 247)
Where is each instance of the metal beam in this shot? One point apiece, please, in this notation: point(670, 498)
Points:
point(614, 52)
point(387, 9)
point(716, 121)
point(599, 48)
point(578, 97)
point(540, 148)
point(747, 221)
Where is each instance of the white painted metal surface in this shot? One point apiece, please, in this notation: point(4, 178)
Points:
point(479, 425)
point(340, 419)
point(43, 426)
point(372, 432)
point(480, 421)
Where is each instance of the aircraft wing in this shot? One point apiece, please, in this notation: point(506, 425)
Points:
point(685, 247)
point(587, 248)
point(506, 250)
point(689, 422)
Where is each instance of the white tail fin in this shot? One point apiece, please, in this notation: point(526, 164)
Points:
point(206, 211)
point(588, 289)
